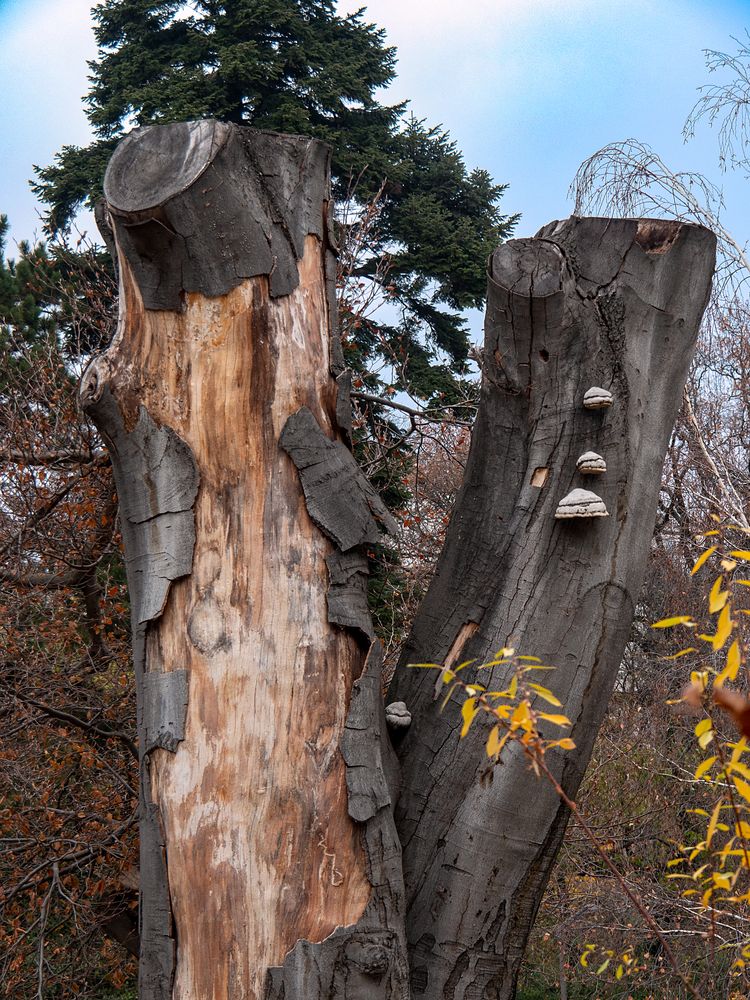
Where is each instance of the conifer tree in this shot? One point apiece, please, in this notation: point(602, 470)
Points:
point(297, 66)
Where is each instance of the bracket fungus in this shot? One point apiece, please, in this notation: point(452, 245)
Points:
point(581, 503)
point(591, 464)
point(597, 398)
point(397, 715)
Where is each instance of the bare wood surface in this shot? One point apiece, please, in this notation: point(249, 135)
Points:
point(255, 853)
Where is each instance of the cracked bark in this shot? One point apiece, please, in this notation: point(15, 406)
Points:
point(588, 302)
point(270, 864)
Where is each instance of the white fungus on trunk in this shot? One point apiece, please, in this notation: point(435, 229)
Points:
point(581, 503)
point(397, 715)
point(591, 464)
point(597, 398)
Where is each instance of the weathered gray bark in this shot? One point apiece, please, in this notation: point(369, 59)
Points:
point(588, 302)
point(270, 863)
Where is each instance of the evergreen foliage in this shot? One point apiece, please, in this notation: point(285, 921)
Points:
point(297, 66)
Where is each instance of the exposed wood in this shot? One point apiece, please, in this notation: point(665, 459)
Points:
point(613, 304)
point(256, 858)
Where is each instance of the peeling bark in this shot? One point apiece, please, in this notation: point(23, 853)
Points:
point(603, 303)
point(270, 865)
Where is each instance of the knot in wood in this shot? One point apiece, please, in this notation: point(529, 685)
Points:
point(371, 954)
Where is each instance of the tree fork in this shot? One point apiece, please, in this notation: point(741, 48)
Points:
point(270, 865)
point(589, 304)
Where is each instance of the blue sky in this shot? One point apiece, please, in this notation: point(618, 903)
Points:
point(528, 88)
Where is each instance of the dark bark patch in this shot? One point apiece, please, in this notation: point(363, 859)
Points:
point(165, 709)
point(339, 499)
point(262, 192)
point(347, 593)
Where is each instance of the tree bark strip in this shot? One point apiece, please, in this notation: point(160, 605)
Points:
point(270, 864)
point(589, 302)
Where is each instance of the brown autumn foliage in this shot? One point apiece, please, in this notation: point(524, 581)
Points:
point(68, 834)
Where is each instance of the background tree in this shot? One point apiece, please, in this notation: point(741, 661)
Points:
point(68, 828)
point(297, 66)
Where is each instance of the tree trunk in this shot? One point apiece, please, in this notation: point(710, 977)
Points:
point(611, 304)
point(270, 862)
point(270, 865)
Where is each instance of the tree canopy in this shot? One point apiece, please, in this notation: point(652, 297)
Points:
point(298, 66)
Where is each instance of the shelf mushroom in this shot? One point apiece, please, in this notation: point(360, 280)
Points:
point(397, 715)
point(591, 464)
point(597, 398)
point(581, 503)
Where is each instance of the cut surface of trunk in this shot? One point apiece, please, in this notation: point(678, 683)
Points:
point(602, 304)
point(259, 844)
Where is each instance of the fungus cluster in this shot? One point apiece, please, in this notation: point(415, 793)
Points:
point(580, 502)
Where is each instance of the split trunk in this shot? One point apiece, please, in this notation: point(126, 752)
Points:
point(271, 863)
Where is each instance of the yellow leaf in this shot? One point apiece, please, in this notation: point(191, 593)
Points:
point(724, 628)
point(521, 716)
point(603, 966)
point(704, 732)
point(682, 652)
point(703, 726)
point(699, 678)
point(740, 554)
point(559, 720)
point(737, 767)
point(702, 558)
point(513, 689)
point(704, 767)
point(620, 972)
point(728, 565)
point(712, 823)
point(676, 620)
point(545, 693)
point(448, 676)
point(468, 711)
point(705, 739)
point(742, 829)
point(729, 673)
point(718, 597)
point(495, 742)
point(564, 744)
point(587, 954)
point(742, 787)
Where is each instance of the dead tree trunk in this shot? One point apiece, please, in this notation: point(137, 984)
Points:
point(590, 303)
point(270, 866)
point(270, 863)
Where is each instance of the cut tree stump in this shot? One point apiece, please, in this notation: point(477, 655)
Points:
point(270, 866)
point(605, 304)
